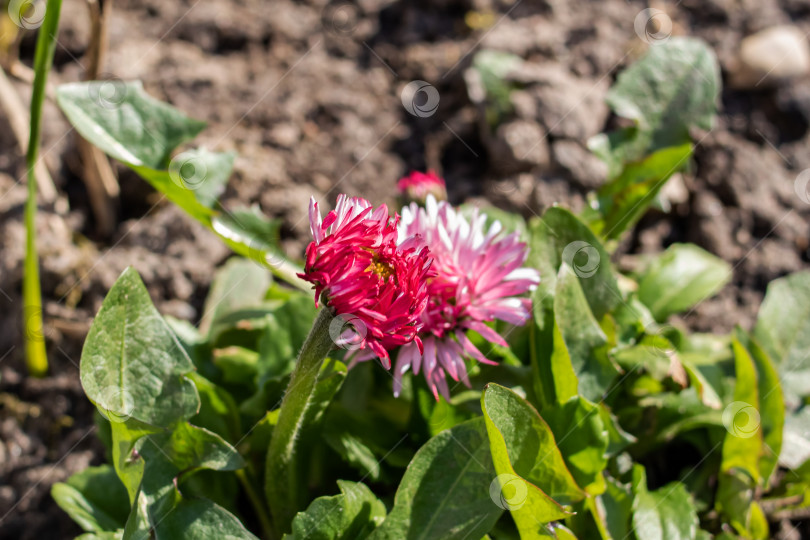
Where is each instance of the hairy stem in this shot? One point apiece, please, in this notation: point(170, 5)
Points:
point(282, 479)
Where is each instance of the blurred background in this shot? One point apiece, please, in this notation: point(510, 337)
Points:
point(321, 98)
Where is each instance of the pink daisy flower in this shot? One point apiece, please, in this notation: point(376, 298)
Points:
point(367, 277)
point(480, 279)
point(417, 186)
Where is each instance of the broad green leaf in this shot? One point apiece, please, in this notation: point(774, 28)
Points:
point(132, 365)
point(618, 438)
point(218, 411)
point(165, 457)
point(583, 340)
point(202, 520)
point(624, 199)
point(582, 439)
point(189, 447)
point(355, 513)
point(617, 501)
point(667, 513)
point(743, 442)
point(94, 498)
point(239, 284)
point(560, 237)
point(673, 88)
point(445, 492)
point(533, 479)
point(771, 410)
point(742, 445)
point(251, 234)
point(679, 278)
point(239, 365)
point(353, 450)
point(106, 535)
point(783, 330)
point(142, 133)
point(128, 124)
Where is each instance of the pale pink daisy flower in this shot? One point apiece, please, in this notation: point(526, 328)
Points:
point(418, 185)
point(362, 272)
point(480, 278)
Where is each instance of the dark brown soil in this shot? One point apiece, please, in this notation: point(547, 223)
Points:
point(308, 94)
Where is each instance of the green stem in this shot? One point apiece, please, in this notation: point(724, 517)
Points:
point(35, 354)
point(282, 478)
point(258, 504)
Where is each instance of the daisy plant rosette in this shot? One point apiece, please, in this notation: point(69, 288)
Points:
point(480, 278)
point(372, 283)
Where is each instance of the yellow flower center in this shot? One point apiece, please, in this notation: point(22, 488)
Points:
point(381, 268)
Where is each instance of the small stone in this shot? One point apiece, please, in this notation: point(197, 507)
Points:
point(770, 57)
point(582, 167)
point(519, 146)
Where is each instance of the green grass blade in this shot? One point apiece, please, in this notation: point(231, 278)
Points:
point(35, 354)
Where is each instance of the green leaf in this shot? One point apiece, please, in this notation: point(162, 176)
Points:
point(771, 410)
point(159, 508)
point(251, 234)
point(560, 237)
point(218, 411)
point(624, 199)
point(142, 133)
point(783, 330)
point(556, 239)
point(202, 520)
point(132, 365)
point(94, 498)
point(353, 450)
point(742, 445)
point(667, 513)
point(445, 492)
point(532, 474)
point(355, 513)
point(618, 503)
point(129, 125)
point(743, 442)
point(582, 439)
point(673, 88)
point(582, 339)
point(679, 278)
point(239, 284)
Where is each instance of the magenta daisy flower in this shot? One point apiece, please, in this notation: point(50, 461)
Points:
point(417, 186)
point(365, 275)
point(480, 278)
